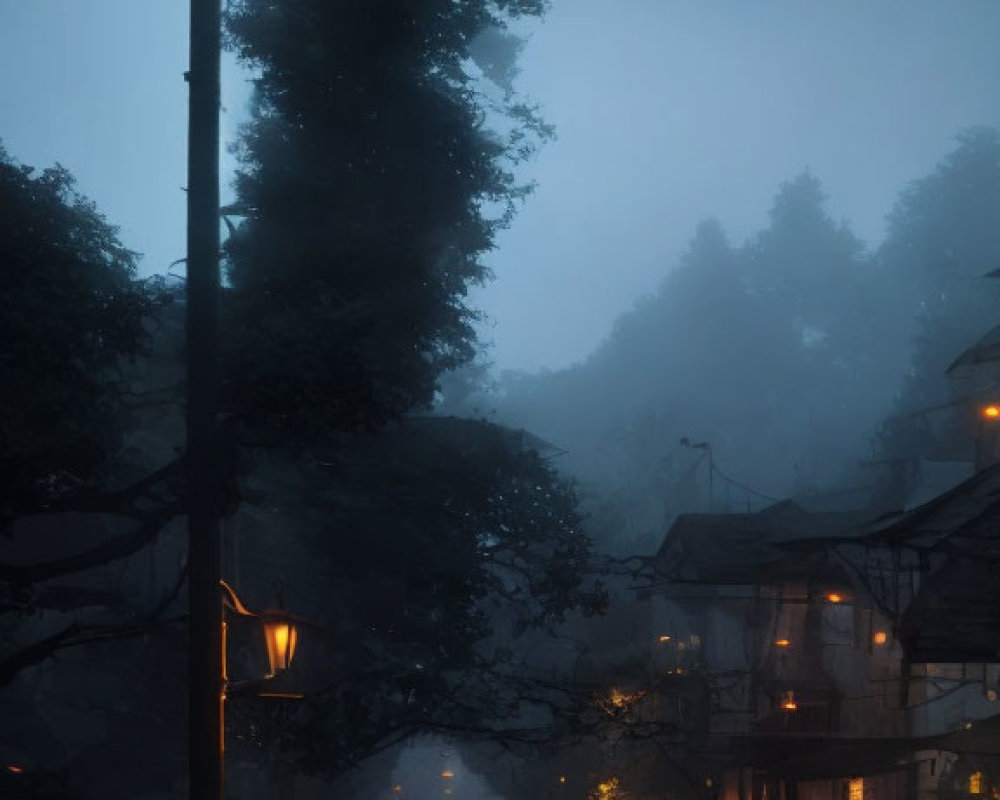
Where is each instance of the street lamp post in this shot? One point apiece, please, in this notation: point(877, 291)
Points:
point(204, 472)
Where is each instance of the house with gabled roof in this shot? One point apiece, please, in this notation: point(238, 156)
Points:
point(810, 632)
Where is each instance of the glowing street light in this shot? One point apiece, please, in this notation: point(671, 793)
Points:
point(281, 632)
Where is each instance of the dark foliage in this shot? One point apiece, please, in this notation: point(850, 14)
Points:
point(367, 183)
point(944, 236)
point(427, 551)
point(70, 312)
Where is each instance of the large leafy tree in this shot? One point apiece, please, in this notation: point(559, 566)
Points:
point(70, 315)
point(421, 556)
point(371, 187)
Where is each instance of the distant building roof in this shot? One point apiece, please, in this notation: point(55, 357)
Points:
point(738, 549)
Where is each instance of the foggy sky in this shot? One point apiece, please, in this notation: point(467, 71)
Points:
point(667, 111)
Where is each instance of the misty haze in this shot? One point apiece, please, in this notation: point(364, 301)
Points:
point(500, 399)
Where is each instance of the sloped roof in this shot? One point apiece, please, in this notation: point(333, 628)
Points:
point(962, 510)
point(955, 616)
point(738, 549)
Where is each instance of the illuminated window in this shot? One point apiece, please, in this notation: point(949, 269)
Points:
point(833, 597)
point(991, 411)
point(976, 783)
point(788, 702)
point(856, 789)
point(782, 643)
point(664, 639)
point(880, 637)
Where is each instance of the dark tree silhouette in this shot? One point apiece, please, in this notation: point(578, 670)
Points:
point(371, 186)
point(70, 314)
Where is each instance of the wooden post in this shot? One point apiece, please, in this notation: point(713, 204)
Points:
point(205, 682)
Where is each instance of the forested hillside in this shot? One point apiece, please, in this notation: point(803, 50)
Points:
point(786, 365)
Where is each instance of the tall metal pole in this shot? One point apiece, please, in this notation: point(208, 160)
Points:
point(205, 681)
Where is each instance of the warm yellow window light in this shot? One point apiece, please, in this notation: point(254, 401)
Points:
point(833, 597)
point(992, 411)
point(782, 643)
point(856, 789)
point(788, 701)
point(447, 773)
point(562, 779)
point(664, 639)
point(880, 637)
point(976, 783)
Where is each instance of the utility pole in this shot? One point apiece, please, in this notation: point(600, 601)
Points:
point(203, 459)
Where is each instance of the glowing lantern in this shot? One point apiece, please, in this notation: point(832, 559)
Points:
point(834, 598)
point(281, 635)
point(856, 789)
point(880, 637)
point(606, 790)
point(782, 643)
point(788, 701)
point(976, 783)
point(991, 411)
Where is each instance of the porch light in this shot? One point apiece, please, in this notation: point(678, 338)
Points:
point(834, 598)
point(880, 637)
point(856, 789)
point(992, 411)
